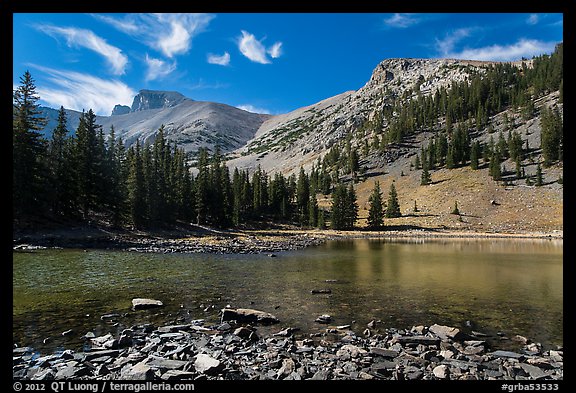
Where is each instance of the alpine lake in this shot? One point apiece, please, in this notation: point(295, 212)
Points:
point(500, 287)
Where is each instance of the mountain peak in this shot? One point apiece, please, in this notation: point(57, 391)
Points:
point(156, 99)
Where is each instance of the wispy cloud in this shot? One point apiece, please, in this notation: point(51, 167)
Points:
point(533, 19)
point(87, 39)
point(446, 45)
point(78, 91)
point(255, 50)
point(157, 68)
point(275, 50)
point(170, 34)
point(526, 48)
point(401, 21)
point(253, 109)
point(222, 60)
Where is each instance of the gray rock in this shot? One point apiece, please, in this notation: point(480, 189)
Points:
point(174, 375)
point(447, 332)
point(142, 303)
point(506, 354)
point(321, 375)
point(441, 372)
point(321, 291)
point(288, 366)
point(66, 372)
point(350, 351)
point(324, 318)
point(493, 373)
point(205, 364)
point(139, 371)
point(90, 356)
point(387, 353)
point(109, 316)
point(413, 373)
point(533, 371)
point(248, 315)
point(102, 370)
point(244, 333)
point(163, 363)
point(425, 340)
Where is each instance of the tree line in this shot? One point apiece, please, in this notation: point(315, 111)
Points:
point(89, 176)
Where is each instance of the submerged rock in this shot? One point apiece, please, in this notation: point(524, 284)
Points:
point(142, 303)
point(248, 315)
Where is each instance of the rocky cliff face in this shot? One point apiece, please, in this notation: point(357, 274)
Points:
point(120, 110)
point(152, 99)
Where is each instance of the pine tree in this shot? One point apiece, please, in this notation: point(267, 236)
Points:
point(376, 209)
point(551, 136)
point(136, 187)
point(353, 163)
point(338, 207)
point(303, 197)
point(455, 210)
point(475, 155)
point(425, 177)
point(88, 161)
point(28, 148)
point(392, 206)
point(202, 190)
point(313, 211)
point(494, 168)
point(351, 211)
point(539, 181)
point(321, 219)
point(60, 171)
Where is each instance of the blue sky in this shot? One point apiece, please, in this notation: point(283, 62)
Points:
point(267, 63)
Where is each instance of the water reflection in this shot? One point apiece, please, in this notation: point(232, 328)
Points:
point(514, 286)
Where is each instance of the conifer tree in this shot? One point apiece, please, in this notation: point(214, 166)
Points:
point(28, 148)
point(351, 211)
point(303, 197)
point(475, 155)
point(392, 206)
point(376, 209)
point(202, 183)
point(136, 187)
point(539, 181)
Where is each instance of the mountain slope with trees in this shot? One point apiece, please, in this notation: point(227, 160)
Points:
point(487, 137)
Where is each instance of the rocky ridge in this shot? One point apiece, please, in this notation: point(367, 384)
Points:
point(286, 142)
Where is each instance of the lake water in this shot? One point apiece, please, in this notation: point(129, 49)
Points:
point(507, 286)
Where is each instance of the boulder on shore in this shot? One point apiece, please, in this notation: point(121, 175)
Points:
point(248, 315)
point(142, 304)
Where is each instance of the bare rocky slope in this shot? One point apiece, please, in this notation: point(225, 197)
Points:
point(286, 142)
point(191, 124)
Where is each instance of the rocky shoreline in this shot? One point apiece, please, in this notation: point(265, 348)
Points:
point(238, 242)
point(235, 350)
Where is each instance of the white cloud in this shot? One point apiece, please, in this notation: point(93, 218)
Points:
point(222, 60)
point(533, 19)
point(400, 21)
point(78, 91)
point(254, 50)
point(523, 48)
point(253, 109)
point(170, 34)
point(275, 50)
point(446, 45)
point(87, 39)
point(158, 69)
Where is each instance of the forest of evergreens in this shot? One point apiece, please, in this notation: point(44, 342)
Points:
point(90, 175)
